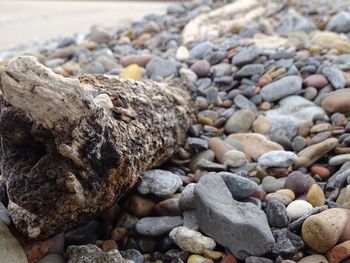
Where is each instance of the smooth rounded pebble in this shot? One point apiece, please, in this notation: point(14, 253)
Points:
point(277, 159)
point(298, 208)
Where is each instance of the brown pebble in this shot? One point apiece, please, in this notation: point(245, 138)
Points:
point(215, 255)
point(108, 245)
point(323, 172)
point(229, 259)
point(118, 233)
point(139, 205)
point(277, 172)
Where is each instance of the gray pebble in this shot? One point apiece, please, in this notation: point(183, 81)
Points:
point(157, 226)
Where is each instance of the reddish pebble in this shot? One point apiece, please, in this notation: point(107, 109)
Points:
point(229, 259)
point(108, 245)
point(201, 68)
point(260, 194)
point(36, 251)
point(339, 252)
point(317, 81)
point(264, 80)
point(277, 172)
point(321, 171)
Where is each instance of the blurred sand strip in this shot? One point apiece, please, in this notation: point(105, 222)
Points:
point(22, 21)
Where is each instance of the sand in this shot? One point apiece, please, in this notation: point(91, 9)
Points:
point(22, 21)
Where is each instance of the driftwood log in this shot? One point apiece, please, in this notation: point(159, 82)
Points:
point(64, 157)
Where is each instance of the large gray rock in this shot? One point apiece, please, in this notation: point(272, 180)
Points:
point(157, 226)
point(281, 88)
point(240, 227)
point(293, 112)
point(339, 23)
point(239, 186)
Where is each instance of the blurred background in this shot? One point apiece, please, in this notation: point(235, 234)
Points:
point(27, 20)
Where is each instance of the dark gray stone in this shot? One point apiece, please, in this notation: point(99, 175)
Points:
point(276, 214)
point(335, 77)
point(197, 143)
point(281, 88)
point(132, 254)
point(243, 103)
point(240, 187)
point(287, 244)
point(246, 55)
point(240, 227)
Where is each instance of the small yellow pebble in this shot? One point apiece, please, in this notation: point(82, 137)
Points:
point(198, 259)
point(315, 196)
point(205, 120)
point(212, 254)
point(132, 71)
point(286, 192)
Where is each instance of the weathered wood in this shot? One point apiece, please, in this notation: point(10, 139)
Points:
point(64, 157)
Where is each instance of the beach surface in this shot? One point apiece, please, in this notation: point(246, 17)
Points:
point(22, 21)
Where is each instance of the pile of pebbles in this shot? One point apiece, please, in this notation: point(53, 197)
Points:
point(265, 173)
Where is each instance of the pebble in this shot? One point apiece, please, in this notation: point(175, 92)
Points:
point(157, 226)
point(323, 172)
point(139, 206)
point(234, 158)
point(243, 103)
point(277, 159)
point(214, 255)
point(339, 23)
point(201, 68)
point(313, 153)
point(261, 125)
point(287, 243)
point(187, 200)
point(254, 144)
point(339, 159)
point(100, 37)
point(253, 259)
point(159, 182)
point(215, 206)
point(132, 254)
point(271, 184)
point(335, 77)
point(191, 240)
point(246, 55)
point(163, 68)
point(298, 182)
point(52, 258)
point(317, 81)
point(240, 121)
point(240, 187)
point(339, 252)
point(198, 259)
point(138, 59)
point(281, 88)
point(315, 196)
point(182, 53)
point(276, 214)
point(169, 207)
point(208, 155)
point(314, 259)
point(286, 192)
point(298, 208)
point(199, 50)
point(337, 102)
point(281, 198)
point(322, 231)
point(132, 71)
point(249, 70)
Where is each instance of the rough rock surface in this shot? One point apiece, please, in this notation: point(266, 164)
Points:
point(79, 158)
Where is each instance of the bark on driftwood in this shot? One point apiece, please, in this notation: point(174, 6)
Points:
point(64, 157)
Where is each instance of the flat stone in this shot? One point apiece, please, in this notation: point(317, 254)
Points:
point(240, 121)
point(277, 159)
point(198, 259)
point(240, 187)
point(297, 209)
point(157, 226)
point(93, 254)
point(249, 70)
point(322, 231)
point(281, 88)
point(159, 182)
point(246, 55)
point(216, 207)
point(313, 153)
point(10, 249)
point(138, 59)
point(253, 259)
point(317, 81)
point(335, 77)
point(254, 144)
point(293, 112)
point(276, 214)
point(339, 23)
point(339, 159)
point(208, 155)
point(191, 240)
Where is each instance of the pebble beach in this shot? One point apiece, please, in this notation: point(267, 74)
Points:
point(264, 176)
